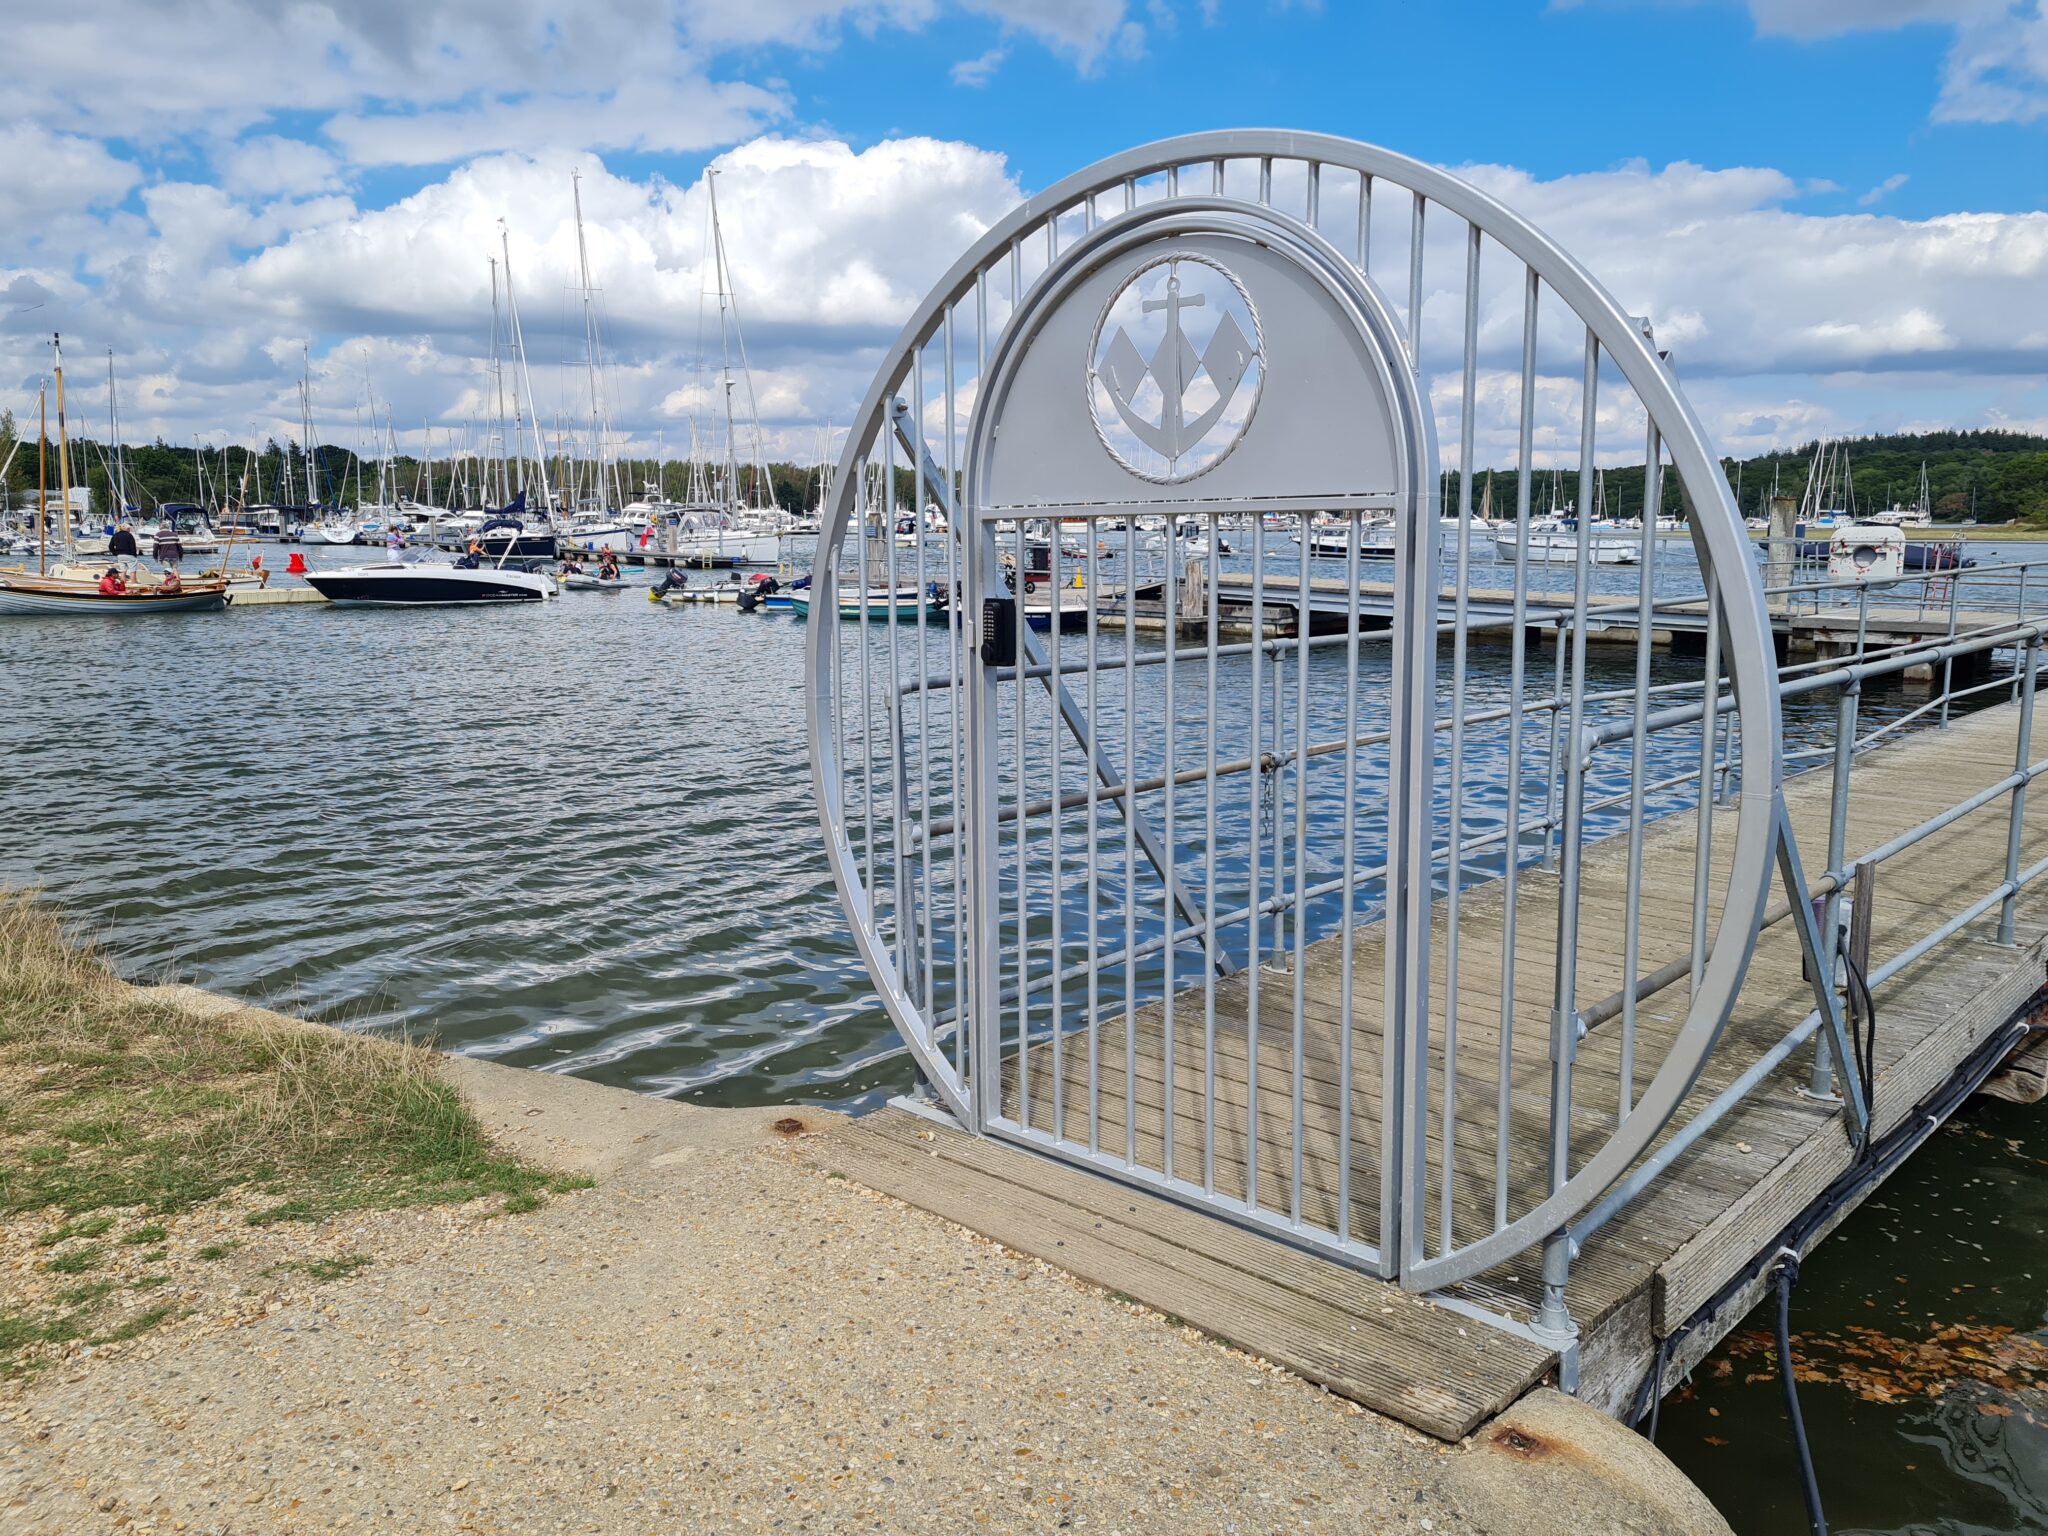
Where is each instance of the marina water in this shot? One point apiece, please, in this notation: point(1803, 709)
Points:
point(582, 838)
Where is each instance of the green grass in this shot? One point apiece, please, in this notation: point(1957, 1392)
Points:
point(77, 1261)
point(118, 1101)
point(214, 1251)
point(337, 1268)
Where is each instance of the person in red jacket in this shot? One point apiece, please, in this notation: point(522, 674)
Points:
point(111, 584)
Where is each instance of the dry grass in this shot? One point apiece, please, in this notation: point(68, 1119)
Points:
point(111, 1100)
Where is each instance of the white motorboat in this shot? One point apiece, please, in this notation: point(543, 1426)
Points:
point(1552, 541)
point(399, 584)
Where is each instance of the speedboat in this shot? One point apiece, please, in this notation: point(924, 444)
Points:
point(396, 584)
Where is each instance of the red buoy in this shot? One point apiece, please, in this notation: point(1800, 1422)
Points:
point(297, 564)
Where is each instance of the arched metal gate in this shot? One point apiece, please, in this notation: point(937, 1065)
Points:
point(1208, 793)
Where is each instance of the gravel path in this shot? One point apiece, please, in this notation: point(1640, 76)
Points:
point(716, 1338)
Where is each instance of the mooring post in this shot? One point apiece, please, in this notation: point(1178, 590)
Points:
point(2022, 758)
point(1553, 1323)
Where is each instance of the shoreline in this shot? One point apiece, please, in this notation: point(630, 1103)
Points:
point(720, 1324)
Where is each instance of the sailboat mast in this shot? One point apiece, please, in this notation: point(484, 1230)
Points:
point(43, 480)
point(607, 472)
point(63, 439)
point(732, 487)
point(498, 369)
point(120, 474)
point(540, 455)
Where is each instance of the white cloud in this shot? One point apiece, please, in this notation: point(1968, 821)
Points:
point(1996, 70)
point(978, 71)
point(44, 174)
point(270, 164)
point(1882, 190)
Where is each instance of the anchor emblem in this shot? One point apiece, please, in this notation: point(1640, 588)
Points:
point(1177, 369)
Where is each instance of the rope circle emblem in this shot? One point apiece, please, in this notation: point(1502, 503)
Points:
point(1176, 367)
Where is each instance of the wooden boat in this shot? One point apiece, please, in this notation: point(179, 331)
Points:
point(26, 593)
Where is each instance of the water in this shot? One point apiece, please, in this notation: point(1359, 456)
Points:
point(582, 838)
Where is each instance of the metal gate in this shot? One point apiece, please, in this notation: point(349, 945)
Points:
point(1209, 789)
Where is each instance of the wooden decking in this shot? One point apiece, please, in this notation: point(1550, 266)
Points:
point(1434, 1366)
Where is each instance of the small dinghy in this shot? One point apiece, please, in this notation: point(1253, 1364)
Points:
point(589, 581)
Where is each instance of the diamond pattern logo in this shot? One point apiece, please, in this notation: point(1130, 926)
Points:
point(1173, 399)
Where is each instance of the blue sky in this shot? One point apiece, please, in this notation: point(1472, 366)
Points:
point(1839, 201)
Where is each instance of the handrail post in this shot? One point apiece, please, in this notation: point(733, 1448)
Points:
point(2022, 760)
point(1821, 1084)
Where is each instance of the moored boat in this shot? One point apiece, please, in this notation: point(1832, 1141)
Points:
point(398, 584)
point(27, 593)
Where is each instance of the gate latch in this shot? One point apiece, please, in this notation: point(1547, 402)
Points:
point(999, 631)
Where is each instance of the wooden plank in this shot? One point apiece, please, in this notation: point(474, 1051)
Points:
point(1398, 1354)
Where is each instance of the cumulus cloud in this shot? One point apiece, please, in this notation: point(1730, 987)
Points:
point(43, 174)
point(1997, 66)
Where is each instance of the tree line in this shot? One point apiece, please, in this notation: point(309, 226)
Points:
point(1993, 476)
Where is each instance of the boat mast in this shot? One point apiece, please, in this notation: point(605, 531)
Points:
point(732, 487)
point(120, 467)
point(607, 471)
point(505, 444)
point(42, 480)
point(540, 457)
point(63, 440)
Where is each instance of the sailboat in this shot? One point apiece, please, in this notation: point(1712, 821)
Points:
point(42, 592)
point(720, 529)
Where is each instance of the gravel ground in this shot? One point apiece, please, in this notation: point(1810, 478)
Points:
point(717, 1338)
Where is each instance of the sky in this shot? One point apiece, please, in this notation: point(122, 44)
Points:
point(1832, 209)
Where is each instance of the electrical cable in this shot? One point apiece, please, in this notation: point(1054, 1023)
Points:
point(1788, 1276)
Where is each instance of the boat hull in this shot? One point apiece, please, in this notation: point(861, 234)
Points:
point(26, 601)
point(394, 586)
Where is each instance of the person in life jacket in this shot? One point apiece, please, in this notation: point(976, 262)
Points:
point(111, 584)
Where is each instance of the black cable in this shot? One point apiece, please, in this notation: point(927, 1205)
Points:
point(1788, 1274)
point(1883, 1156)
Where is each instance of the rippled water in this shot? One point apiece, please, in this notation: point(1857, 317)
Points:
point(581, 837)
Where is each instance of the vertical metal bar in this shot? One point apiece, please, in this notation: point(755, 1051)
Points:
point(1304, 628)
point(2023, 759)
point(1315, 193)
point(1256, 784)
point(1948, 665)
point(1020, 725)
point(1415, 284)
point(1347, 1019)
point(1056, 753)
point(1517, 667)
point(1131, 813)
point(1266, 180)
point(1169, 768)
point(1459, 662)
point(1094, 981)
point(1365, 221)
point(1554, 1319)
point(889, 685)
point(1638, 769)
point(1703, 845)
point(1209, 894)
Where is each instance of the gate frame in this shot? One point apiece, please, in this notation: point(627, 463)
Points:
point(1718, 532)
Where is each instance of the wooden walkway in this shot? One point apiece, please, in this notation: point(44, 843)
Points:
point(1648, 1270)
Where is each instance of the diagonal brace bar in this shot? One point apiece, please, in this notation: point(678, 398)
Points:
point(1819, 967)
point(1070, 711)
